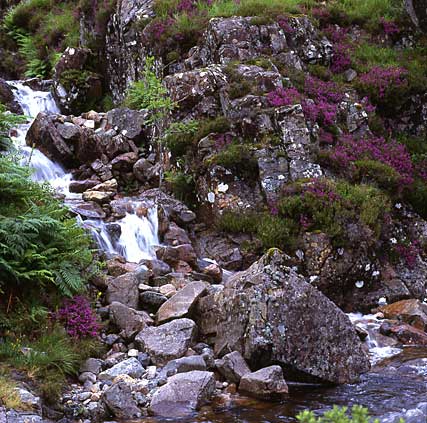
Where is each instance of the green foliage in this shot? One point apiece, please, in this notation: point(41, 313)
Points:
point(41, 247)
point(179, 136)
point(365, 12)
point(182, 185)
point(41, 28)
point(239, 159)
point(328, 206)
point(9, 396)
point(384, 176)
point(417, 197)
point(358, 414)
point(149, 93)
point(7, 122)
point(48, 359)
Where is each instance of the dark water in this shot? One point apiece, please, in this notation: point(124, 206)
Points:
point(396, 383)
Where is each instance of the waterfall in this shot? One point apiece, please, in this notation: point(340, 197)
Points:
point(137, 231)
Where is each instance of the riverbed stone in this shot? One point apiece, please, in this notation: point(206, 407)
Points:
point(412, 311)
point(128, 319)
point(120, 401)
point(168, 341)
point(184, 364)
point(182, 302)
point(131, 367)
point(183, 394)
point(232, 366)
point(266, 383)
point(124, 289)
point(93, 365)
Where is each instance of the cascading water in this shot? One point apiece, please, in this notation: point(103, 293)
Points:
point(138, 233)
point(135, 237)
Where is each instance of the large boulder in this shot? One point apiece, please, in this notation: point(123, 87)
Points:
point(271, 315)
point(232, 366)
point(182, 303)
point(267, 383)
point(183, 394)
point(168, 341)
point(131, 123)
point(124, 289)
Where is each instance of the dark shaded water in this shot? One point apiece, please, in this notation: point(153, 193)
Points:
point(397, 383)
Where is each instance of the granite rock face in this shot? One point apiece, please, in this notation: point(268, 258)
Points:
point(270, 314)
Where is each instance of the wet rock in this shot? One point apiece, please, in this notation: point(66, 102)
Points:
point(131, 367)
point(81, 186)
point(44, 135)
point(182, 303)
point(267, 383)
point(232, 366)
point(413, 312)
point(183, 394)
point(8, 99)
point(12, 416)
point(144, 171)
point(128, 319)
point(99, 197)
point(212, 270)
point(124, 162)
point(270, 314)
point(404, 333)
point(168, 341)
point(124, 289)
point(120, 401)
point(157, 267)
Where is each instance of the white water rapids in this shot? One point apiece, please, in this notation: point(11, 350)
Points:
point(138, 234)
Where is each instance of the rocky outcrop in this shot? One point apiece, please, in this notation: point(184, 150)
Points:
point(75, 89)
point(183, 394)
point(270, 314)
point(8, 99)
point(124, 55)
point(413, 312)
point(232, 366)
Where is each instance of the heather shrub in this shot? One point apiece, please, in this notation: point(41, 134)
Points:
point(372, 171)
point(182, 185)
point(386, 87)
point(417, 197)
point(77, 318)
point(329, 206)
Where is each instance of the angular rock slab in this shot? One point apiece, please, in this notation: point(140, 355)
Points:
point(412, 311)
point(124, 289)
point(128, 319)
point(131, 367)
point(233, 367)
point(168, 341)
point(182, 302)
point(183, 394)
point(271, 315)
point(119, 400)
point(267, 383)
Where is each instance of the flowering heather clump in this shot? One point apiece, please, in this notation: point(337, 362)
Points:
point(283, 22)
point(325, 137)
point(335, 33)
point(389, 27)
point(223, 140)
point(78, 318)
point(408, 253)
point(321, 190)
point(341, 60)
point(349, 149)
point(381, 81)
point(283, 97)
point(186, 6)
point(327, 91)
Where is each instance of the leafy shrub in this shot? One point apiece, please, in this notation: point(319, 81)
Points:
point(41, 247)
point(7, 122)
point(179, 136)
point(358, 414)
point(9, 396)
point(381, 174)
point(182, 185)
point(149, 93)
